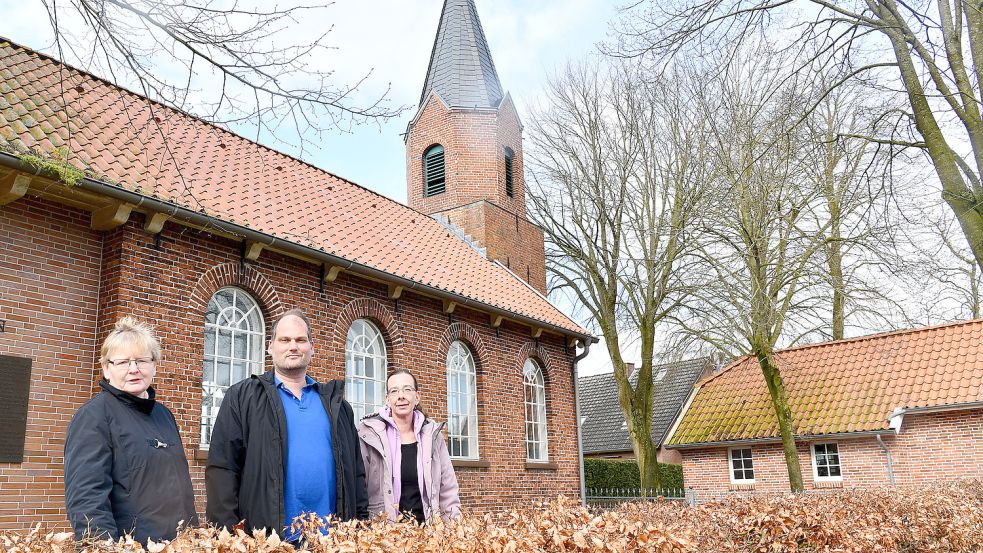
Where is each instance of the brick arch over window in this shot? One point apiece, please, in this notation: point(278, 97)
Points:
point(467, 334)
point(235, 274)
point(382, 316)
point(537, 352)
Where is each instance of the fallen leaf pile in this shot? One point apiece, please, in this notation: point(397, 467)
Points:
point(940, 518)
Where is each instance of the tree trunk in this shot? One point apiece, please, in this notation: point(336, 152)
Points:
point(648, 462)
point(839, 288)
point(779, 400)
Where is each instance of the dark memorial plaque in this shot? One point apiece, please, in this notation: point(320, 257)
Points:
point(15, 389)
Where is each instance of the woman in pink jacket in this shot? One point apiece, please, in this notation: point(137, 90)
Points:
point(407, 467)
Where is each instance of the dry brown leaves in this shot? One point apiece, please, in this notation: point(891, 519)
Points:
point(943, 518)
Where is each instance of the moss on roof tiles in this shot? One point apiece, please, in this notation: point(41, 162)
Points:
point(874, 373)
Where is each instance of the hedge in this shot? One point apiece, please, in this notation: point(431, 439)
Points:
point(941, 517)
point(623, 473)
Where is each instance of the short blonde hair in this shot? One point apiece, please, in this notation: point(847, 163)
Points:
point(129, 330)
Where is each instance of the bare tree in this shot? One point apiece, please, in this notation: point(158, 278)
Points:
point(931, 50)
point(228, 62)
point(945, 280)
point(618, 170)
point(761, 241)
point(852, 176)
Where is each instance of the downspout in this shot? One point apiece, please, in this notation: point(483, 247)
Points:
point(576, 403)
point(890, 464)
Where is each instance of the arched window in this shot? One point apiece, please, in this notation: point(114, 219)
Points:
point(433, 171)
point(234, 336)
point(365, 368)
point(509, 183)
point(462, 403)
point(535, 400)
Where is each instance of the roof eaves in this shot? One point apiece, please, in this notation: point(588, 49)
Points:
point(141, 200)
point(778, 440)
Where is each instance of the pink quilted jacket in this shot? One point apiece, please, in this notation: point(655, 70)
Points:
point(440, 493)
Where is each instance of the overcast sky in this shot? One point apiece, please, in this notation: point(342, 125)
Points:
point(394, 39)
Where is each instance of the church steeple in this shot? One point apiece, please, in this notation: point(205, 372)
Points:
point(464, 149)
point(461, 68)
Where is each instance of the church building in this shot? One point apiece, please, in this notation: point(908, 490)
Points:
point(112, 204)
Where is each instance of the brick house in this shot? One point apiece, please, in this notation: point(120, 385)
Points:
point(210, 236)
point(897, 408)
point(603, 427)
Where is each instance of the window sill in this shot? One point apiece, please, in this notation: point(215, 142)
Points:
point(470, 463)
point(201, 454)
point(819, 484)
point(745, 487)
point(541, 466)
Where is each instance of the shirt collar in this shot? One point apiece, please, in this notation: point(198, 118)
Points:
point(279, 383)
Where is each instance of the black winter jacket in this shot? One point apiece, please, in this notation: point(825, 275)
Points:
point(125, 469)
point(245, 474)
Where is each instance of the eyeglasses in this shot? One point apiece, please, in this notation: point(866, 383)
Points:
point(142, 363)
point(407, 390)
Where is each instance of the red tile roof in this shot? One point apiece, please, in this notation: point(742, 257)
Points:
point(851, 385)
point(119, 137)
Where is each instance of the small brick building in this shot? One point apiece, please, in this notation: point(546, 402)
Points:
point(210, 236)
point(898, 408)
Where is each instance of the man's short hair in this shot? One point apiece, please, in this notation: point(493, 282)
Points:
point(295, 312)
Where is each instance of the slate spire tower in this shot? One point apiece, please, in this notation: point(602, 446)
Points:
point(464, 148)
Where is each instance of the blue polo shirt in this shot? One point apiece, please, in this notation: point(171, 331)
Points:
point(310, 484)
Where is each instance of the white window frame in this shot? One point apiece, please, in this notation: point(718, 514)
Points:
point(661, 374)
point(462, 372)
point(364, 342)
point(534, 384)
point(730, 465)
point(815, 467)
point(229, 319)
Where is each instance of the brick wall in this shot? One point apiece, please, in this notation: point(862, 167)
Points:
point(474, 144)
point(508, 239)
point(170, 287)
point(49, 293)
point(940, 445)
point(930, 447)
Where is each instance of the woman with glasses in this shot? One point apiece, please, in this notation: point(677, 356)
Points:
point(125, 467)
point(407, 467)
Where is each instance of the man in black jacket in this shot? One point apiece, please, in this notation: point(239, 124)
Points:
point(284, 445)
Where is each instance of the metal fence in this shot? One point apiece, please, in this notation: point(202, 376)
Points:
point(612, 497)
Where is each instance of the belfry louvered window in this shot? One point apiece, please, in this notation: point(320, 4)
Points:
point(509, 183)
point(433, 171)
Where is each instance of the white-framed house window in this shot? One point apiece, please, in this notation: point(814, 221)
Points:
point(234, 337)
point(462, 402)
point(826, 462)
point(661, 374)
point(534, 392)
point(741, 465)
point(365, 368)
